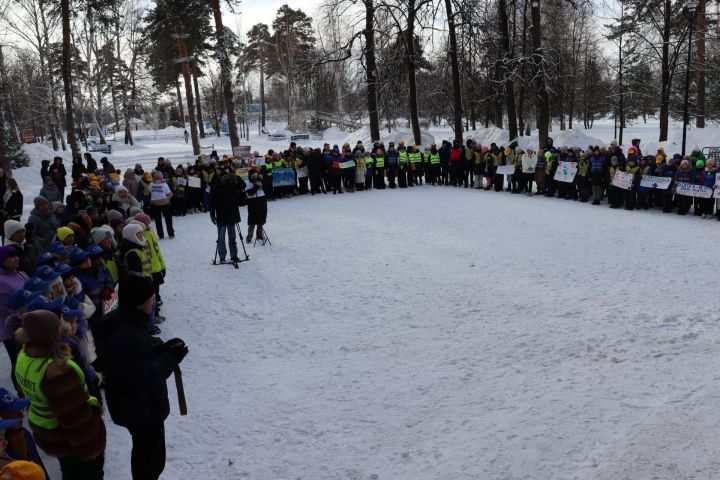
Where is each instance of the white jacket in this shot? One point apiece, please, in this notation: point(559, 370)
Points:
point(528, 163)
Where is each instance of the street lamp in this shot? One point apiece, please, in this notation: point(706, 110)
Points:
point(690, 11)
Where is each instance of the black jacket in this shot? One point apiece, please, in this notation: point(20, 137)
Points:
point(14, 205)
point(136, 368)
point(225, 199)
point(26, 254)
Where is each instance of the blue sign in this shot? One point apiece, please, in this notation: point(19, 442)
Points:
point(283, 177)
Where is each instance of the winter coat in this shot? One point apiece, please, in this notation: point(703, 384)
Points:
point(685, 177)
point(14, 204)
point(9, 284)
point(137, 368)
point(81, 231)
point(225, 199)
point(108, 167)
point(91, 164)
point(529, 163)
point(125, 203)
point(44, 229)
point(709, 178)
point(80, 429)
point(131, 182)
point(52, 193)
point(78, 169)
point(58, 172)
point(26, 254)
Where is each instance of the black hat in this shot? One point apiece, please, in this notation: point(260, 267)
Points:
point(135, 290)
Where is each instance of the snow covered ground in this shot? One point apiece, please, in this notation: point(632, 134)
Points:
point(441, 333)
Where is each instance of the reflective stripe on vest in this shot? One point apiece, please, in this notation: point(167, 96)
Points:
point(113, 269)
point(144, 261)
point(380, 162)
point(403, 157)
point(434, 158)
point(415, 157)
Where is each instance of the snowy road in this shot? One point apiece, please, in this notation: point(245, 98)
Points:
point(437, 333)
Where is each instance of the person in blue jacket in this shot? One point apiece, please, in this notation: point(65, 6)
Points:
point(707, 205)
point(643, 192)
point(685, 174)
point(391, 164)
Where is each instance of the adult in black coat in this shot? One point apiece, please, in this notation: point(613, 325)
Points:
point(59, 174)
point(78, 169)
point(91, 163)
point(316, 169)
point(136, 368)
point(108, 167)
point(224, 205)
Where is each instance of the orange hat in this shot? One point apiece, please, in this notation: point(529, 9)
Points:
point(23, 470)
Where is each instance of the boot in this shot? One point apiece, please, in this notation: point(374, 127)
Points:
point(251, 229)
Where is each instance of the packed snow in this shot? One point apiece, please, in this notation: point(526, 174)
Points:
point(437, 332)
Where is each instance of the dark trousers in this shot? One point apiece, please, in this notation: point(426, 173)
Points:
point(316, 184)
point(629, 199)
point(379, 179)
point(683, 204)
point(158, 212)
point(402, 178)
point(73, 468)
point(12, 349)
point(148, 451)
point(303, 185)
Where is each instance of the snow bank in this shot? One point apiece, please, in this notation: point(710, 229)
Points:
point(397, 135)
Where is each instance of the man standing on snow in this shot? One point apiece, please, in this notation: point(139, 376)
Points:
point(224, 209)
point(137, 367)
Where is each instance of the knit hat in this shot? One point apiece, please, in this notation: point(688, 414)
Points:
point(99, 234)
point(64, 232)
point(6, 252)
point(11, 227)
point(699, 164)
point(132, 211)
point(41, 327)
point(112, 214)
point(116, 222)
point(135, 290)
point(55, 205)
point(130, 233)
point(23, 470)
point(120, 188)
point(144, 218)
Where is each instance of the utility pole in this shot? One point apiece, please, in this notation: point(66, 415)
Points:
point(184, 60)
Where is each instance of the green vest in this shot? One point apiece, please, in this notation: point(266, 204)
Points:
point(279, 164)
point(369, 162)
point(434, 158)
point(403, 157)
point(157, 262)
point(113, 269)
point(380, 162)
point(268, 168)
point(144, 260)
point(415, 157)
point(29, 372)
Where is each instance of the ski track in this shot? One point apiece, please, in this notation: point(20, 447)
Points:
point(443, 333)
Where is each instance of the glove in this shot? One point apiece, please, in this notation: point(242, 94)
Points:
point(177, 349)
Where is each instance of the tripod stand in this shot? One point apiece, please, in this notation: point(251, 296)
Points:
point(262, 238)
point(234, 260)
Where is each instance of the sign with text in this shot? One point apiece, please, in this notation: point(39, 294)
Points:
point(566, 172)
point(194, 182)
point(650, 181)
point(690, 190)
point(623, 180)
point(283, 177)
point(505, 170)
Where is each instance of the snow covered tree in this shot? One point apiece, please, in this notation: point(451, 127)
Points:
point(256, 57)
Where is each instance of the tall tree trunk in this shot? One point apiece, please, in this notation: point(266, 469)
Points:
point(225, 73)
point(67, 78)
point(455, 67)
point(201, 125)
point(412, 67)
point(371, 70)
point(665, 76)
point(180, 102)
point(262, 93)
point(700, 65)
point(507, 80)
point(543, 103)
point(189, 95)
